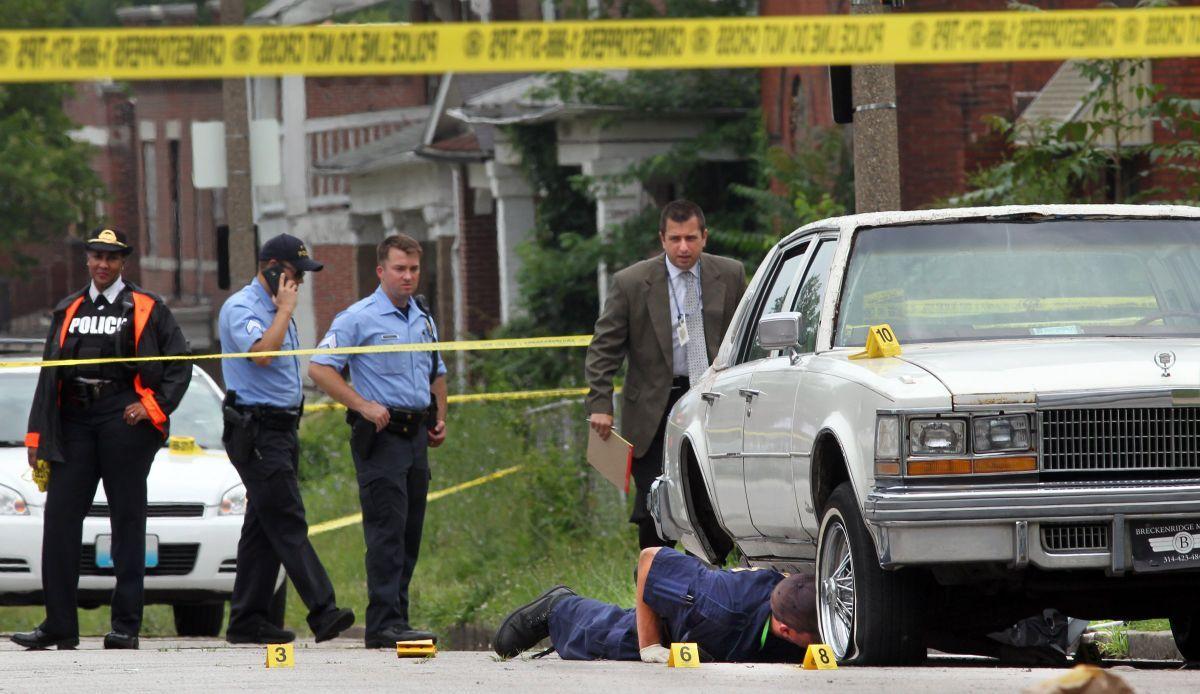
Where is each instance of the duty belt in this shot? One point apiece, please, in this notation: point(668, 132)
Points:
point(405, 422)
point(84, 393)
point(272, 417)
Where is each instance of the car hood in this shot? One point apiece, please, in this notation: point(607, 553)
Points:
point(1045, 366)
point(202, 477)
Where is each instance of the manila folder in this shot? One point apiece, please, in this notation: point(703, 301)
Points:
point(612, 458)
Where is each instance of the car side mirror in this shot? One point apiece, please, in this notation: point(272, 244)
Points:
point(780, 330)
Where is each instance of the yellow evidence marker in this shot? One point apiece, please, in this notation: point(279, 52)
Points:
point(424, 648)
point(819, 657)
point(684, 655)
point(280, 655)
point(184, 445)
point(881, 342)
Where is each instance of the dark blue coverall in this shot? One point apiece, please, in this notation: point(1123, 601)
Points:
point(725, 613)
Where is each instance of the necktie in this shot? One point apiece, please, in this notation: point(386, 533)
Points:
point(101, 302)
point(697, 352)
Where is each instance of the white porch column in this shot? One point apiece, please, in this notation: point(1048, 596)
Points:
point(614, 205)
point(514, 222)
point(294, 113)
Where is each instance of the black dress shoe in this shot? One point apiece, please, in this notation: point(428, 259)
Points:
point(266, 633)
point(389, 636)
point(528, 624)
point(115, 639)
point(38, 640)
point(332, 623)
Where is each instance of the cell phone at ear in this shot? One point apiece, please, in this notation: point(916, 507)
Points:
point(271, 275)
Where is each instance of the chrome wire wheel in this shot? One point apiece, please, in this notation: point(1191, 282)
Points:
point(835, 590)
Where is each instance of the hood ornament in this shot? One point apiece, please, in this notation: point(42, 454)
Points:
point(1164, 361)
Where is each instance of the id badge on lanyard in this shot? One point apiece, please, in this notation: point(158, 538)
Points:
point(681, 331)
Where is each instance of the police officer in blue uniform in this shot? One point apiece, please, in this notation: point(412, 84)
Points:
point(752, 615)
point(396, 410)
point(263, 403)
point(102, 423)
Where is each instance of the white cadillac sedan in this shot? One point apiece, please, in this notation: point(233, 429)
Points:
point(196, 504)
point(1035, 443)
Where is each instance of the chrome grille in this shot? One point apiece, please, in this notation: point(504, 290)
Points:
point(1075, 537)
point(1130, 439)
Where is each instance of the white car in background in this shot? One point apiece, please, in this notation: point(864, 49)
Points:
point(196, 503)
point(1034, 444)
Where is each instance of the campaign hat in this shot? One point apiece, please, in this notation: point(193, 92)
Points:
point(108, 239)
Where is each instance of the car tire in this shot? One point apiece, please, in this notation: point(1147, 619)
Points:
point(867, 614)
point(278, 607)
point(199, 620)
point(1186, 630)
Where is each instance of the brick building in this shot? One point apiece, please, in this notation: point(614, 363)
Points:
point(940, 108)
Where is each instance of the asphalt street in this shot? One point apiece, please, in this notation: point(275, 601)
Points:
point(194, 665)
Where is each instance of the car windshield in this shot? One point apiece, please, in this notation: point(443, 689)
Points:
point(199, 415)
point(1006, 280)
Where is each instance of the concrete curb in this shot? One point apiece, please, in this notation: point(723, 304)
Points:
point(1152, 645)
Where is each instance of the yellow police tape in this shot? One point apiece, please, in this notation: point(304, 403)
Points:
point(456, 346)
point(372, 49)
point(478, 397)
point(356, 518)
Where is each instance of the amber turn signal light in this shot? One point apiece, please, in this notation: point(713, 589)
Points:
point(887, 469)
point(950, 466)
point(1006, 464)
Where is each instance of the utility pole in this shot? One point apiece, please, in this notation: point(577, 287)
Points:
point(239, 205)
point(876, 140)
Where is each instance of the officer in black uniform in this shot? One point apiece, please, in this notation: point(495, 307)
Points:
point(396, 409)
point(263, 402)
point(102, 422)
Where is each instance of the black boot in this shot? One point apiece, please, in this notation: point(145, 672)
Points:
point(265, 633)
point(39, 640)
point(528, 624)
point(115, 639)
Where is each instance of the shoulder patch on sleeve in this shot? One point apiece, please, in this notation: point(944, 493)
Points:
point(330, 342)
point(254, 326)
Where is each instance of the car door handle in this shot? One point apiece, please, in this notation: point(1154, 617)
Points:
point(749, 393)
point(710, 397)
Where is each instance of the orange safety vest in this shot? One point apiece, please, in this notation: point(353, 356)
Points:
point(142, 306)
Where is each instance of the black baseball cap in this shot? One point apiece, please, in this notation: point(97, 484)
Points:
point(106, 239)
point(290, 249)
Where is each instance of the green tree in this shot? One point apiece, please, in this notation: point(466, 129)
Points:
point(1090, 159)
point(47, 180)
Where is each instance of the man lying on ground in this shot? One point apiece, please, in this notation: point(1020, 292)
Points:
point(752, 615)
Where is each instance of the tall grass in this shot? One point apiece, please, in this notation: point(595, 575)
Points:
point(486, 549)
point(492, 547)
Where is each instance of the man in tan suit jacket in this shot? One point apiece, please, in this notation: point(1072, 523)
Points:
point(670, 326)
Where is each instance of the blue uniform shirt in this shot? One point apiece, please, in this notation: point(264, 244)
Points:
point(392, 379)
point(721, 611)
point(244, 318)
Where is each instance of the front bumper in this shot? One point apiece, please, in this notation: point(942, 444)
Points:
point(211, 576)
point(916, 526)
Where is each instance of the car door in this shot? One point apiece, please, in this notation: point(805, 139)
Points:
point(774, 464)
point(730, 397)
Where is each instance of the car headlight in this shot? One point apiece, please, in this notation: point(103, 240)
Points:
point(233, 502)
point(12, 503)
point(937, 437)
point(1002, 433)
